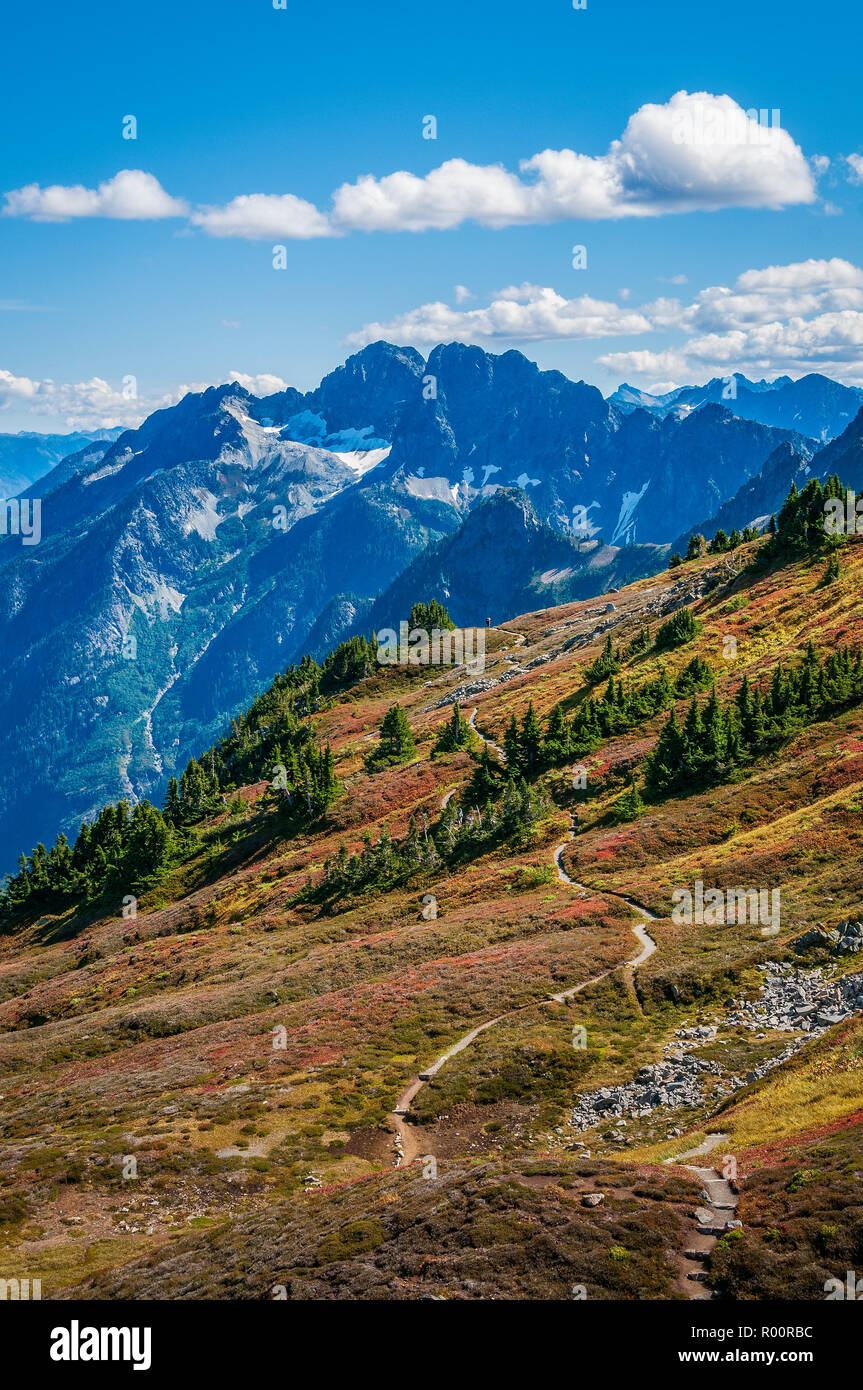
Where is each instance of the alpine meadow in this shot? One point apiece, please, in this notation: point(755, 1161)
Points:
point(431, 726)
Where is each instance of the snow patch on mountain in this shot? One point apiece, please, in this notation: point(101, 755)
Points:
point(99, 473)
point(362, 461)
point(628, 505)
point(431, 489)
point(308, 427)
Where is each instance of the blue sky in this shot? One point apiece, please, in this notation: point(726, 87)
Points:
point(234, 100)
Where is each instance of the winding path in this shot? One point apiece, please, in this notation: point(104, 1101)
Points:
point(496, 746)
point(719, 1198)
point(407, 1145)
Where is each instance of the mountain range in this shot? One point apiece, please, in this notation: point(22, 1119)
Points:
point(26, 458)
point(184, 563)
point(814, 404)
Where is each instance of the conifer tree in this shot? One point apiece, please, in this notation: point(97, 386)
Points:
point(530, 743)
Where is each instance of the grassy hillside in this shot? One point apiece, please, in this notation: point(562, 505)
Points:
point(246, 1037)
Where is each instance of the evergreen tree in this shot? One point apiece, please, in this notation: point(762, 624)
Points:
point(719, 544)
point(429, 616)
point(396, 740)
point(664, 762)
point(530, 743)
point(512, 746)
point(677, 631)
point(832, 572)
point(456, 734)
point(629, 806)
point(485, 783)
point(173, 806)
point(608, 664)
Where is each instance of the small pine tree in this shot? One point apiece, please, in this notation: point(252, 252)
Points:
point(173, 809)
point(485, 783)
point(530, 743)
point(629, 806)
point(429, 616)
point(512, 747)
point(679, 630)
point(396, 742)
point(607, 664)
point(832, 572)
point(719, 544)
point(456, 734)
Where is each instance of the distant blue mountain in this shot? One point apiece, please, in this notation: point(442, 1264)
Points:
point(25, 458)
point(814, 405)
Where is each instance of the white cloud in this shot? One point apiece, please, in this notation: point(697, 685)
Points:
point(696, 152)
point(526, 313)
point(96, 404)
point(855, 164)
point(798, 318)
point(462, 293)
point(263, 384)
point(82, 404)
point(264, 217)
point(130, 194)
point(805, 316)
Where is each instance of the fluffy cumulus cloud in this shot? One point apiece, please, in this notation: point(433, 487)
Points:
point(130, 195)
point(97, 404)
point(527, 313)
point(263, 384)
point(798, 318)
point(82, 404)
point(264, 217)
point(695, 152)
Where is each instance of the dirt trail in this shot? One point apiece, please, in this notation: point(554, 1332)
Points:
point(719, 1198)
point(719, 1203)
point(648, 945)
point(496, 746)
point(407, 1140)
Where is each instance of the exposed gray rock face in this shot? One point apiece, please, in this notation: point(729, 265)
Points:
point(668, 1084)
point(848, 937)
